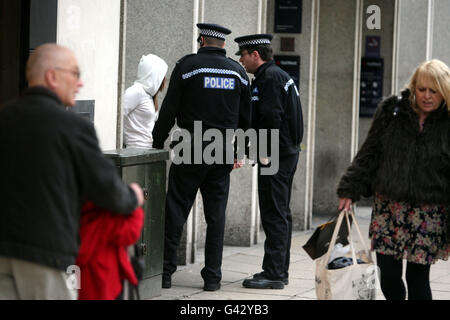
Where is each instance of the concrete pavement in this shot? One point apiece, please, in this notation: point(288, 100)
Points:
point(240, 263)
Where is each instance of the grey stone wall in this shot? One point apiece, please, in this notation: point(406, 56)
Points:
point(441, 34)
point(412, 39)
point(334, 100)
point(163, 28)
point(387, 37)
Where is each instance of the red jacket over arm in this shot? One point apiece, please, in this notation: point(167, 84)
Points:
point(103, 257)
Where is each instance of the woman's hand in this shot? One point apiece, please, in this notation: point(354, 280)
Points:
point(238, 164)
point(344, 203)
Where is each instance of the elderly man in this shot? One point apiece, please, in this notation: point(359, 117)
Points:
point(50, 164)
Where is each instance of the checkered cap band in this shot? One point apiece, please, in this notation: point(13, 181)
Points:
point(254, 42)
point(212, 33)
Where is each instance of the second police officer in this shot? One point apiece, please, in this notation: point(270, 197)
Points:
point(275, 106)
point(211, 88)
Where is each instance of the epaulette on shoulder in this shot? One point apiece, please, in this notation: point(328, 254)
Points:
point(185, 57)
point(239, 66)
point(234, 61)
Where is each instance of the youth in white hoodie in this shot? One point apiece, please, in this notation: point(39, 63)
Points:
point(139, 111)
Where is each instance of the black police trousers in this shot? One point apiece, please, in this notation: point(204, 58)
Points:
point(274, 193)
point(184, 182)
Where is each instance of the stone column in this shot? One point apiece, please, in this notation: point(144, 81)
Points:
point(412, 38)
point(386, 34)
point(422, 34)
point(441, 36)
point(91, 29)
point(336, 120)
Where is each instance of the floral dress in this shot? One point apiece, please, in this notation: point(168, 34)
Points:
point(414, 233)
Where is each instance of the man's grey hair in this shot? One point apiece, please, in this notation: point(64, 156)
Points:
point(45, 57)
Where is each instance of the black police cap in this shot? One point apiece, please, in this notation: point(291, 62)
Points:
point(253, 40)
point(213, 30)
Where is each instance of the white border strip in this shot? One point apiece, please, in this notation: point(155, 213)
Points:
point(430, 23)
point(356, 77)
point(312, 104)
point(216, 71)
point(194, 25)
point(395, 48)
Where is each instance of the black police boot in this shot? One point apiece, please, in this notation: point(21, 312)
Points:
point(261, 282)
point(166, 281)
point(261, 274)
point(211, 286)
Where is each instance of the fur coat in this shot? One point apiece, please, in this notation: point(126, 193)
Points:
point(399, 161)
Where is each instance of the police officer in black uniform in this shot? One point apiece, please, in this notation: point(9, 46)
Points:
point(213, 89)
point(275, 105)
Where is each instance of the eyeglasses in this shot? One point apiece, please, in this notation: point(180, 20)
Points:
point(75, 73)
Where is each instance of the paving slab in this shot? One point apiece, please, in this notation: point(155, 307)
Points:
point(240, 263)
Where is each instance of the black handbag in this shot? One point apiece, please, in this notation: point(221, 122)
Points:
point(317, 244)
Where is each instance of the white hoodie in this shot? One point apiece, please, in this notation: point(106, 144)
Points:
point(139, 112)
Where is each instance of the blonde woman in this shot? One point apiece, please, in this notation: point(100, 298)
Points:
point(405, 164)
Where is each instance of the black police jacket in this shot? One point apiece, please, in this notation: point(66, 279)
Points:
point(207, 87)
point(276, 105)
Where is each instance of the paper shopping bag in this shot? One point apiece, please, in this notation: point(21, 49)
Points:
point(356, 281)
point(317, 244)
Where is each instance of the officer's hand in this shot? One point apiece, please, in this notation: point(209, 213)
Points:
point(139, 194)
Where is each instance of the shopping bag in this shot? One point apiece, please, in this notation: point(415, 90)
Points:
point(317, 244)
point(357, 280)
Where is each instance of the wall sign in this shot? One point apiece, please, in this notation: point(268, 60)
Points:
point(288, 16)
point(85, 108)
point(371, 91)
point(290, 64)
point(373, 46)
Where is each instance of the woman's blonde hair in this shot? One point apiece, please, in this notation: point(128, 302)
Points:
point(438, 72)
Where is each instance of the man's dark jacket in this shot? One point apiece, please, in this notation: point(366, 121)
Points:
point(50, 164)
point(399, 161)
